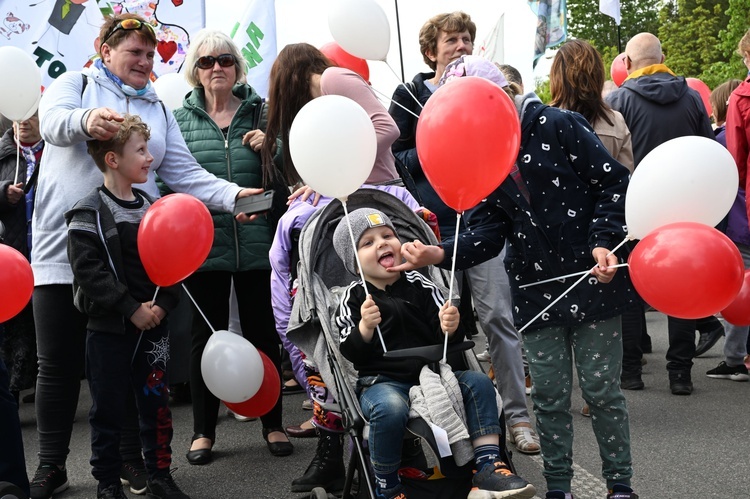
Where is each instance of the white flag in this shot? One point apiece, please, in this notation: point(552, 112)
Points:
point(58, 35)
point(255, 34)
point(610, 8)
point(493, 47)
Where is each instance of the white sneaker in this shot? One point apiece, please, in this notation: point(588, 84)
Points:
point(484, 356)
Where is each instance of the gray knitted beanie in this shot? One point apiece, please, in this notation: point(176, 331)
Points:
point(361, 220)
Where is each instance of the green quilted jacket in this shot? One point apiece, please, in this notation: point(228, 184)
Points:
point(237, 247)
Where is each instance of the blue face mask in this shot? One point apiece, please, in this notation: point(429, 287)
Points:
point(126, 89)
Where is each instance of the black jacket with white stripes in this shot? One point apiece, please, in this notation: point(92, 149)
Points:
point(409, 318)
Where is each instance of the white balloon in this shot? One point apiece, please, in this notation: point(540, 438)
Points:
point(687, 179)
point(33, 109)
point(21, 86)
point(361, 28)
point(232, 367)
point(333, 145)
point(171, 89)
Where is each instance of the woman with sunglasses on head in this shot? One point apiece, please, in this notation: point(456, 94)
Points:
point(221, 122)
point(76, 108)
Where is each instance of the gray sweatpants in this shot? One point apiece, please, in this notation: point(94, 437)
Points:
point(490, 290)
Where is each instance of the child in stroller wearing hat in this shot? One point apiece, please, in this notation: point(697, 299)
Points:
point(409, 311)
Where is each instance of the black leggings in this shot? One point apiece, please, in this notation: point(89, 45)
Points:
point(210, 290)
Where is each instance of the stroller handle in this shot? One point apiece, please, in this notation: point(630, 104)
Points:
point(428, 354)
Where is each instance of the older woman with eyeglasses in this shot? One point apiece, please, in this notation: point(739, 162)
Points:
point(222, 121)
point(76, 108)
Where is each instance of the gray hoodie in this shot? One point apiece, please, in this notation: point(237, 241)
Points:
point(68, 173)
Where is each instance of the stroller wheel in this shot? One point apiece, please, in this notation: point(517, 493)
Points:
point(320, 493)
point(10, 491)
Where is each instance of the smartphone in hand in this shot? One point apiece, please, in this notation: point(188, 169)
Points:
point(257, 203)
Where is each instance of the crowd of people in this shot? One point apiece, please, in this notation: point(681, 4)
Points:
point(103, 147)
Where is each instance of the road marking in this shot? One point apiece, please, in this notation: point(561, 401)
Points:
point(584, 485)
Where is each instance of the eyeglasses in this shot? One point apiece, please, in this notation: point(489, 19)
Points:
point(208, 61)
point(127, 25)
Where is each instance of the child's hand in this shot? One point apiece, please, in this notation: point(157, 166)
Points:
point(449, 318)
point(160, 312)
point(604, 271)
point(370, 316)
point(144, 317)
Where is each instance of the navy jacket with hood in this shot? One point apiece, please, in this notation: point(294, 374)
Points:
point(577, 202)
point(659, 107)
point(405, 151)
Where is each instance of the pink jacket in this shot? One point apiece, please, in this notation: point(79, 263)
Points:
point(340, 81)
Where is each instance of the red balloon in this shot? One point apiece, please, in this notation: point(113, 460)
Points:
point(705, 92)
point(687, 270)
point(174, 238)
point(16, 282)
point(344, 59)
point(262, 402)
point(738, 312)
point(617, 71)
point(468, 137)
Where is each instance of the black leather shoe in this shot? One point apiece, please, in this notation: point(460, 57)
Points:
point(297, 431)
point(708, 340)
point(278, 449)
point(291, 389)
point(200, 456)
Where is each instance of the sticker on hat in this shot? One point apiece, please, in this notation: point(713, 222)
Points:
point(375, 220)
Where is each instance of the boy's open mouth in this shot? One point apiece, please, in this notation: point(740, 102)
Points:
point(386, 260)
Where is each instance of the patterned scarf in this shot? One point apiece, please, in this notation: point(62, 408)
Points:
point(30, 154)
point(127, 89)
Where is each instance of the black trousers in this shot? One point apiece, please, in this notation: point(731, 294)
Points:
point(12, 463)
point(682, 340)
point(122, 368)
point(60, 336)
point(633, 328)
point(210, 290)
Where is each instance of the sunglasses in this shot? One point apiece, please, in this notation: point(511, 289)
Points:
point(208, 61)
point(126, 25)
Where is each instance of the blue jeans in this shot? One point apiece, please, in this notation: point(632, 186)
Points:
point(385, 404)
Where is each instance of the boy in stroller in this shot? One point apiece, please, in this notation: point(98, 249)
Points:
point(410, 311)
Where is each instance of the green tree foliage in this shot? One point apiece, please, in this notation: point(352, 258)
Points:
point(729, 65)
point(689, 32)
point(587, 23)
point(699, 37)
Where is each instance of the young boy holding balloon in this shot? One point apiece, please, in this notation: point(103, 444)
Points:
point(127, 343)
point(405, 310)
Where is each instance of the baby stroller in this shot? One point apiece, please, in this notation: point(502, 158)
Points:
point(321, 276)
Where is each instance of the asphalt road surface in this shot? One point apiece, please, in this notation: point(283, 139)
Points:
point(683, 447)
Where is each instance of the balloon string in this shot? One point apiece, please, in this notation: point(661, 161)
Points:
point(404, 85)
point(140, 334)
point(18, 159)
point(359, 266)
point(450, 286)
point(199, 309)
point(560, 278)
point(397, 103)
point(627, 238)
